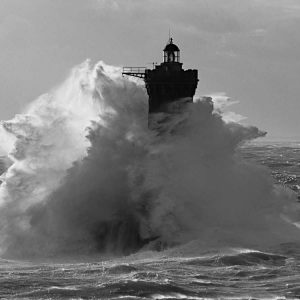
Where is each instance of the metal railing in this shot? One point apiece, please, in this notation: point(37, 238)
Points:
point(134, 69)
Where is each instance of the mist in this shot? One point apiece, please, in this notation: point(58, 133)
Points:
point(89, 176)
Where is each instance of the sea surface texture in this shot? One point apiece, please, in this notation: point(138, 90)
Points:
point(99, 202)
point(180, 273)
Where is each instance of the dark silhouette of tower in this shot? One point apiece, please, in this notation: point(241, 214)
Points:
point(168, 81)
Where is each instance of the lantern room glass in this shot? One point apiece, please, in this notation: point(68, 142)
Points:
point(171, 56)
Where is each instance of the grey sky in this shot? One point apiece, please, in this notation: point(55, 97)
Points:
point(248, 49)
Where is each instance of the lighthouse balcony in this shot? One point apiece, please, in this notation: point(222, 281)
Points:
point(134, 71)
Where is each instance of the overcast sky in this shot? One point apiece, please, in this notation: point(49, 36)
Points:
point(248, 49)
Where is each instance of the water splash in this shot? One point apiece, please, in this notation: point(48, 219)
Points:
point(88, 175)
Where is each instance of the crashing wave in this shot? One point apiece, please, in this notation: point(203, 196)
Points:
point(88, 174)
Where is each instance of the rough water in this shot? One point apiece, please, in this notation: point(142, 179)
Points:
point(282, 158)
point(93, 204)
point(225, 274)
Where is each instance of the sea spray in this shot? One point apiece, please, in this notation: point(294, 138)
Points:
point(51, 136)
point(88, 175)
point(208, 192)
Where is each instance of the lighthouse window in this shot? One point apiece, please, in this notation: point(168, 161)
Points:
point(171, 57)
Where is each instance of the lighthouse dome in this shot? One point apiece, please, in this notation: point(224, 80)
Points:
point(171, 47)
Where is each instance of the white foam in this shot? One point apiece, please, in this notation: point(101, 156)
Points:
point(84, 155)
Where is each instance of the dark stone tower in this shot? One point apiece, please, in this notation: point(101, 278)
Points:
point(168, 81)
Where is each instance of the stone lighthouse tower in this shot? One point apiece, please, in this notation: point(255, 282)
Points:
point(167, 82)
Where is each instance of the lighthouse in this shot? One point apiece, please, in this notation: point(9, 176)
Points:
point(167, 82)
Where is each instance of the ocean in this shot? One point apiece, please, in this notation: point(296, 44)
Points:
point(183, 272)
point(93, 205)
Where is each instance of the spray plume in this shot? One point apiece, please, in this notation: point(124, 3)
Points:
point(88, 175)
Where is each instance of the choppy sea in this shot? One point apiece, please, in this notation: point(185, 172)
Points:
point(227, 273)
